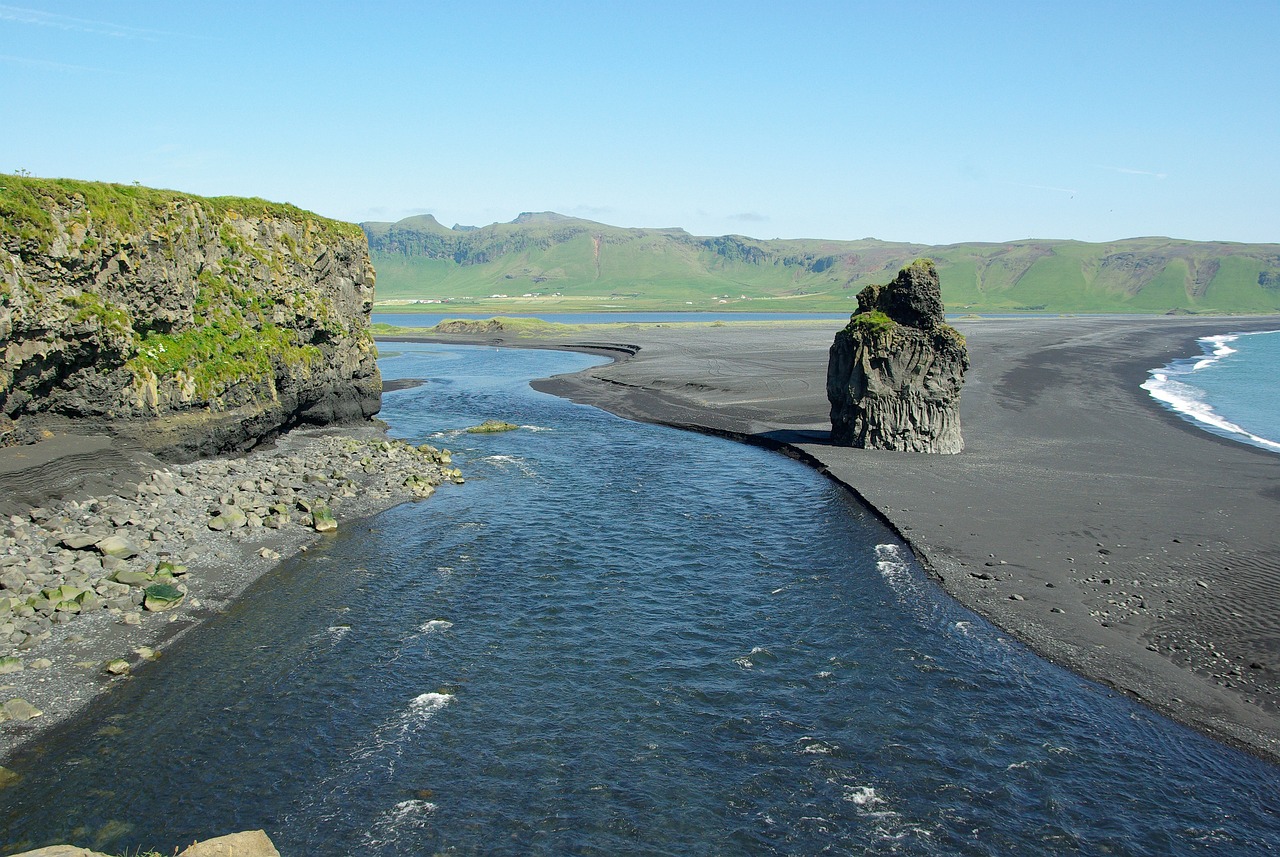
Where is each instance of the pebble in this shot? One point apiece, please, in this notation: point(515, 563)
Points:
point(65, 564)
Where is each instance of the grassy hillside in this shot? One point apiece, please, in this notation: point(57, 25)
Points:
point(549, 262)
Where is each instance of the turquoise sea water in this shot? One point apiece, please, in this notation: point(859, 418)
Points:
point(619, 639)
point(1231, 389)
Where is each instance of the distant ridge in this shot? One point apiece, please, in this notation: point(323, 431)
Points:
point(546, 253)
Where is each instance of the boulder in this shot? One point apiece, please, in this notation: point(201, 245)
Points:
point(895, 372)
point(116, 546)
point(18, 710)
point(250, 843)
point(78, 541)
point(322, 520)
point(492, 427)
point(161, 596)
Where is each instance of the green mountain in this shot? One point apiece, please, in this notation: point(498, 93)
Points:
point(552, 262)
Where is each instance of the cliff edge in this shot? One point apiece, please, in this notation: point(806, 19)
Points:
point(894, 373)
point(192, 325)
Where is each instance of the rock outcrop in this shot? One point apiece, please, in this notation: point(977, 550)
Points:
point(250, 843)
point(894, 375)
point(200, 325)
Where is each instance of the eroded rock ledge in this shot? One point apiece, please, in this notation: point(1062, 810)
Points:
point(894, 373)
point(195, 325)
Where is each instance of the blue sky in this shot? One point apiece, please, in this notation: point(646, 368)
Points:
point(928, 122)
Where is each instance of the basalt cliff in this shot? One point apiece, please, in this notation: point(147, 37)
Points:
point(195, 325)
point(894, 374)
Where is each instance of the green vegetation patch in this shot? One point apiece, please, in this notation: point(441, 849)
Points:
point(873, 323)
point(549, 263)
point(230, 342)
point(26, 203)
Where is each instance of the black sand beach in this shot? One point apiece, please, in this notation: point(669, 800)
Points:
point(1106, 533)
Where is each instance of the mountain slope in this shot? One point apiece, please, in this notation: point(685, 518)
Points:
point(578, 261)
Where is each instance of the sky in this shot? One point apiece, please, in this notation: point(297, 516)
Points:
point(931, 122)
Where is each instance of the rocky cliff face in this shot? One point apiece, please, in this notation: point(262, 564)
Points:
point(894, 375)
point(200, 325)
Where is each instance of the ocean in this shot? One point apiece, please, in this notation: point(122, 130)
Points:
point(1231, 389)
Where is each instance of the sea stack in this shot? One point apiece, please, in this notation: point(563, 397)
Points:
point(894, 375)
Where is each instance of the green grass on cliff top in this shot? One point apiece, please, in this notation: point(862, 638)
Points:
point(25, 202)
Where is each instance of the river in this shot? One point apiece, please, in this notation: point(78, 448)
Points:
point(619, 638)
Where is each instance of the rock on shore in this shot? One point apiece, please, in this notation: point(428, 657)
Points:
point(90, 587)
point(894, 373)
point(250, 843)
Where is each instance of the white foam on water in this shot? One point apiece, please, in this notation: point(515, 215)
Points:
point(333, 633)
point(862, 795)
point(755, 656)
point(391, 736)
point(1188, 400)
point(424, 707)
point(435, 626)
point(504, 462)
point(537, 428)
point(817, 747)
point(895, 569)
point(399, 819)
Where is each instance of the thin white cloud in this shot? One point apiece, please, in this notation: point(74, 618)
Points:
point(1067, 190)
point(749, 217)
point(79, 25)
point(53, 66)
point(1133, 172)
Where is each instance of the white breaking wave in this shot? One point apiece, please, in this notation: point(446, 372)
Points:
point(1187, 400)
point(434, 626)
point(404, 816)
point(392, 735)
point(1218, 349)
point(755, 656)
point(893, 567)
point(862, 795)
point(502, 462)
point(424, 707)
point(334, 633)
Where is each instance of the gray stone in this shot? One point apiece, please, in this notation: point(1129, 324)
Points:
point(19, 710)
point(79, 541)
point(117, 547)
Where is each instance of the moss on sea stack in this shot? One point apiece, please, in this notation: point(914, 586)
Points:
point(894, 373)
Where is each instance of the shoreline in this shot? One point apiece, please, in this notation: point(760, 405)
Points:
point(1099, 528)
point(98, 630)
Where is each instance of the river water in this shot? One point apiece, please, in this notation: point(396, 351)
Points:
point(620, 639)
